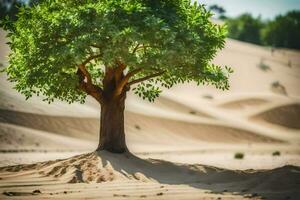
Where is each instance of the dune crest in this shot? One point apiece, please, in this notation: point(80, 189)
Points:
point(286, 116)
point(168, 103)
point(248, 102)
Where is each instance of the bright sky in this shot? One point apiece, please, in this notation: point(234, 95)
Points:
point(268, 9)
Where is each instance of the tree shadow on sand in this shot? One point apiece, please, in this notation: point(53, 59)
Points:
point(279, 183)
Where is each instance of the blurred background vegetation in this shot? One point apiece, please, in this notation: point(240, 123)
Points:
point(281, 32)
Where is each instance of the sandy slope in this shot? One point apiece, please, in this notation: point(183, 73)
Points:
point(286, 116)
point(187, 130)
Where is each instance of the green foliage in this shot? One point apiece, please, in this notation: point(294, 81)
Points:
point(147, 91)
point(239, 155)
point(50, 39)
point(284, 31)
point(245, 28)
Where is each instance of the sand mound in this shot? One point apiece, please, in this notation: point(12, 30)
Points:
point(239, 104)
point(86, 168)
point(107, 167)
point(287, 116)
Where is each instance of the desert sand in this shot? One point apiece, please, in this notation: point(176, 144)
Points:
point(182, 146)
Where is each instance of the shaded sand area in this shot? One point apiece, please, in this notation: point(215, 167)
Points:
point(127, 176)
point(191, 143)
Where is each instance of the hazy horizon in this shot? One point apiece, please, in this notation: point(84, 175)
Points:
point(267, 9)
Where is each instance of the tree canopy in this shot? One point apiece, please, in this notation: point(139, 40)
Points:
point(158, 43)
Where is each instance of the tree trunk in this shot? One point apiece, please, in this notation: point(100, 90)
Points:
point(112, 134)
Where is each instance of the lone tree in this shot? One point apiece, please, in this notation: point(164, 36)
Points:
point(67, 50)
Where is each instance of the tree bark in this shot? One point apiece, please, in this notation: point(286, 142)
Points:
point(112, 134)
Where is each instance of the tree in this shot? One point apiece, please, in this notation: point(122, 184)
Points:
point(219, 10)
point(283, 31)
point(245, 28)
point(67, 50)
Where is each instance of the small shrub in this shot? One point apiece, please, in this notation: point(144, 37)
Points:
point(208, 96)
point(276, 84)
point(238, 155)
point(276, 153)
point(193, 112)
point(137, 127)
point(263, 66)
point(277, 87)
point(272, 50)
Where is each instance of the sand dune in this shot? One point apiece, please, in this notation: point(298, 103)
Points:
point(138, 126)
point(166, 128)
point(286, 115)
point(164, 102)
point(242, 103)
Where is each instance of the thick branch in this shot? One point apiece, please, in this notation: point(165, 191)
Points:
point(90, 89)
point(88, 86)
point(84, 70)
point(89, 59)
point(132, 73)
point(125, 80)
point(85, 73)
point(119, 71)
point(145, 78)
